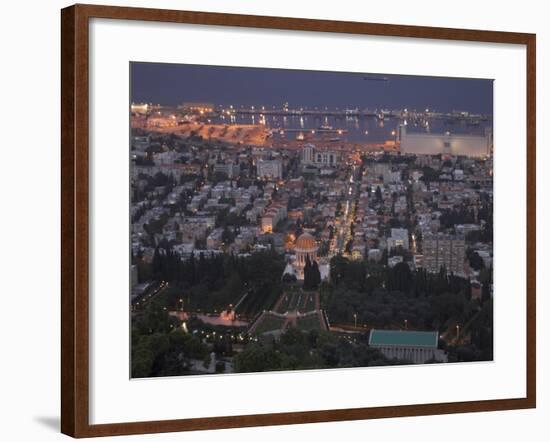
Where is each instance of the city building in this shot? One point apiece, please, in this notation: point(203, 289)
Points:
point(391, 176)
point(269, 169)
point(312, 155)
point(418, 261)
point(374, 255)
point(398, 238)
point(164, 158)
point(308, 154)
point(272, 215)
point(394, 260)
point(446, 143)
point(486, 257)
point(476, 290)
point(214, 240)
point(230, 169)
point(141, 142)
point(443, 250)
point(418, 347)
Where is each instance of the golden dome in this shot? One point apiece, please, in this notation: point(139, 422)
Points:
point(306, 242)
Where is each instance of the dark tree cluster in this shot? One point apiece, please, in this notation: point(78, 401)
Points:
point(383, 297)
point(474, 260)
point(312, 276)
point(212, 282)
point(299, 350)
point(461, 215)
point(429, 174)
point(159, 346)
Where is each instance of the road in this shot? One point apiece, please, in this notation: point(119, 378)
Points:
point(149, 296)
point(342, 225)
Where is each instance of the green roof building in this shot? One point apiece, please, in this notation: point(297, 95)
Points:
point(415, 346)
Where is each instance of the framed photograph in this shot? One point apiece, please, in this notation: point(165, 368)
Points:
point(273, 220)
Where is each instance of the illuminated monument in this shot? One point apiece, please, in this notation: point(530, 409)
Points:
point(305, 248)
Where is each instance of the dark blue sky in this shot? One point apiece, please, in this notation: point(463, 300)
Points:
point(172, 84)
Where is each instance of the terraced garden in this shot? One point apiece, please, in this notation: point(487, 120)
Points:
point(268, 322)
point(309, 322)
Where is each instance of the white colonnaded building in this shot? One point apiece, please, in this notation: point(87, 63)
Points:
point(415, 346)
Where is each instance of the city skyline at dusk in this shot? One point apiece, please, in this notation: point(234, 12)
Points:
point(172, 84)
point(295, 220)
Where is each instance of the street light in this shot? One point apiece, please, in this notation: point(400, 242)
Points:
point(355, 319)
point(406, 324)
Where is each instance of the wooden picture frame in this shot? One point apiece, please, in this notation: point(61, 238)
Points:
point(75, 219)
